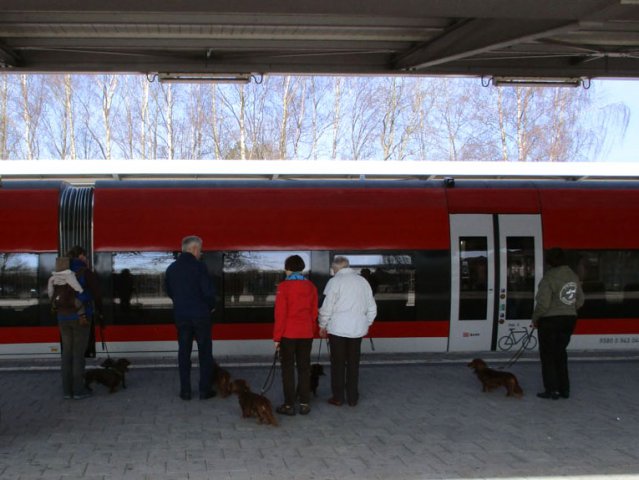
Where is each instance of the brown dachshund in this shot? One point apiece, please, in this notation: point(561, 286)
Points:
point(112, 375)
point(491, 379)
point(222, 380)
point(121, 365)
point(253, 404)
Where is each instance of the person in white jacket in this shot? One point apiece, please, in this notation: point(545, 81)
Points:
point(347, 312)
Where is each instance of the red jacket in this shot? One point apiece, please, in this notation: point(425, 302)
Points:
point(295, 310)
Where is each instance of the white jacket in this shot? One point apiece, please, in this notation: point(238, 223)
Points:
point(349, 307)
point(61, 278)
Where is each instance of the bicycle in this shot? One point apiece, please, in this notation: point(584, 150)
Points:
point(523, 336)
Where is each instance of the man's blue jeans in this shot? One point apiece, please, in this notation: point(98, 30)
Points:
point(199, 330)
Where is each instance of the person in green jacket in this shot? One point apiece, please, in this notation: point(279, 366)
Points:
point(559, 296)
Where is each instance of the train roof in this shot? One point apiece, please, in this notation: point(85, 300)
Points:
point(88, 172)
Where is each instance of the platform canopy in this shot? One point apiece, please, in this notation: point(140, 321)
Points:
point(501, 38)
point(89, 171)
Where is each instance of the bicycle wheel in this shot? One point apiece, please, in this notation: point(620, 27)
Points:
point(532, 342)
point(505, 342)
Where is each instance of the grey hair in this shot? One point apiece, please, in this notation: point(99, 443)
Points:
point(340, 262)
point(188, 242)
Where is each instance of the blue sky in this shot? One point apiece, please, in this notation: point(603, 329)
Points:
point(627, 92)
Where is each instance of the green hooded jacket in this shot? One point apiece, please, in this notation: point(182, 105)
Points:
point(559, 293)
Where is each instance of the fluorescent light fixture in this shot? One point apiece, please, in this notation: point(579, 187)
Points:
point(204, 77)
point(537, 81)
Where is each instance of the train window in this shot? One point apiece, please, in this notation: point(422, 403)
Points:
point(520, 265)
point(19, 288)
point(473, 275)
point(610, 280)
point(392, 278)
point(251, 278)
point(139, 294)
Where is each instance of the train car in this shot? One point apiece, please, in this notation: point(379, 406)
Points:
point(454, 264)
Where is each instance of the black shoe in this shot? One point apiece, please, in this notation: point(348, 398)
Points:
point(286, 410)
point(564, 394)
point(82, 396)
point(352, 404)
point(185, 395)
point(207, 395)
point(305, 409)
point(549, 395)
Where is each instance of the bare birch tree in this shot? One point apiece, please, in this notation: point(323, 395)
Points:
point(33, 102)
point(108, 85)
point(4, 117)
point(215, 124)
point(337, 109)
point(286, 101)
point(362, 115)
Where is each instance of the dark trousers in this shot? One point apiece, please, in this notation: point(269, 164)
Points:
point(296, 352)
point(345, 353)
point(90, 349)
point(201, 332)
point(554, 337)
point(74, 342)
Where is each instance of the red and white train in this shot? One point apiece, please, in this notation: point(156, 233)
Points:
point(454, 265)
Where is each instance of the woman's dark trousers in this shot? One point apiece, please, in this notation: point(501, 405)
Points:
point(74, 342)
point(296, 352)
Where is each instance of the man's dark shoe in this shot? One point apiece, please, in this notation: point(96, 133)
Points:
point(334, 401)
point(185, 395)
point(353, 403)
point(82, 396)
point(564, 394)
point(549, 395)
point(305, 409)
point(286, 410)
point(207, 395)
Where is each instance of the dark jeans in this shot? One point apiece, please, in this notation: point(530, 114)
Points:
point(296, 351)
point(345, 353)
point(74, 342)
point(554, 337)
point(201, 332)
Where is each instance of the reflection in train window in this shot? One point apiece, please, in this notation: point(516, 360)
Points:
point(520, 267)
point(610, 280)
point(138, 280)
point(473, 278)
point(392, 279)
point(18, 286)
point(251, 277)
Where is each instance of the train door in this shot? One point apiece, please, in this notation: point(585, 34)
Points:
point(496, 264)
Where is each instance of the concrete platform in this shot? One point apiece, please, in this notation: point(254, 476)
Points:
point(419, 417)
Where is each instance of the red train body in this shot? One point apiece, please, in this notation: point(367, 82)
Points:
point(454, 266)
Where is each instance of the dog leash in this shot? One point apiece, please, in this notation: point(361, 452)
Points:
point(319, 351)
point(102, 337)
point(270, 378)
point(519, 352)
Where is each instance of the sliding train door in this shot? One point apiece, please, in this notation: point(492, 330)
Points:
point(496, 264)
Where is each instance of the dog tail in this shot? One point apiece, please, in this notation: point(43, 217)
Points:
point(267, 414)
point(517, 389)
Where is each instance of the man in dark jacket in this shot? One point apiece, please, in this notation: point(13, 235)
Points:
point(189, 286)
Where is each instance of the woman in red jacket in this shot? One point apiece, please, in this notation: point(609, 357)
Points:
point(295, 327)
